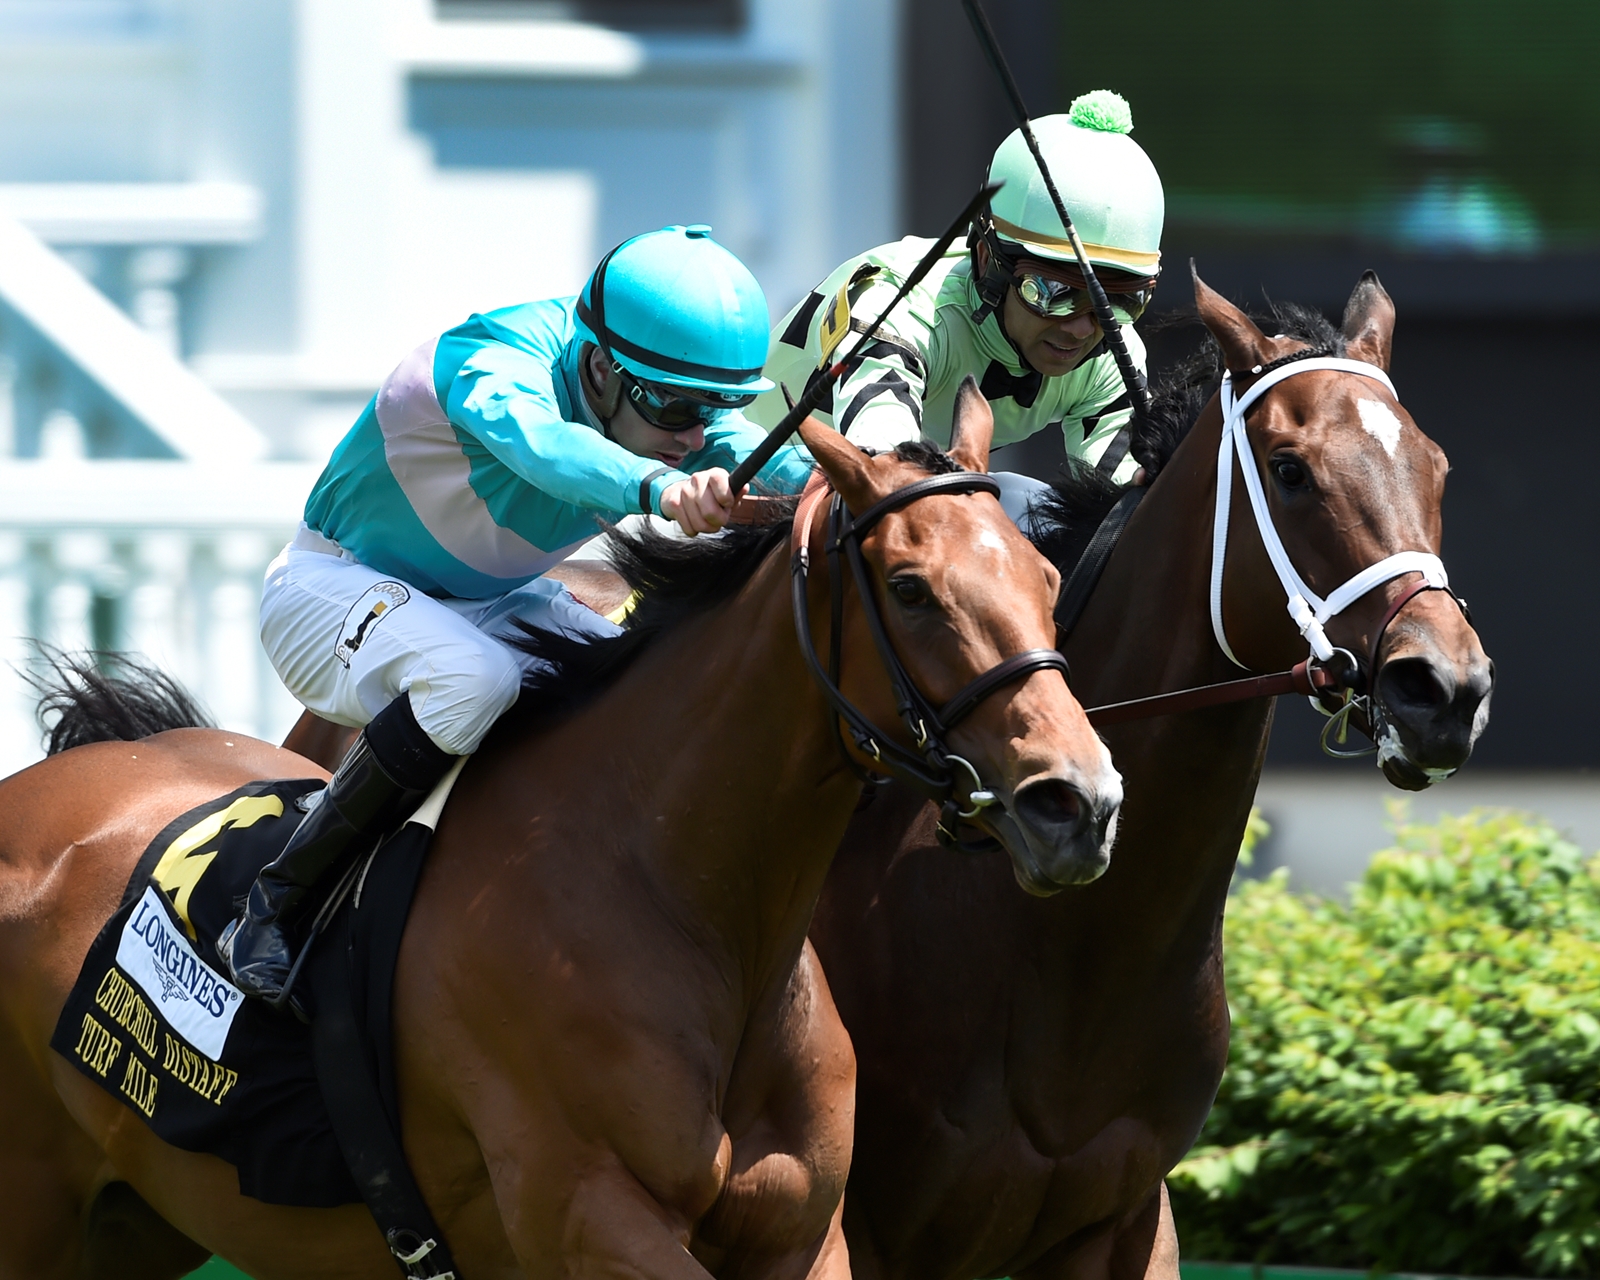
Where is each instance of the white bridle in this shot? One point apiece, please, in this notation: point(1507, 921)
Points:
point(1308, 610)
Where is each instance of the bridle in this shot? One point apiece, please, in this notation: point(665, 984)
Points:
point(951, 779)
point(1328, 671)
point(1309, 611)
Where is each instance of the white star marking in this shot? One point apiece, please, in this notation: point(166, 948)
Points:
point(1380, 424)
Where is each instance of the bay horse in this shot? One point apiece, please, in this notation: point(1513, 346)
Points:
point(1030, 1068)
point(616, 1051)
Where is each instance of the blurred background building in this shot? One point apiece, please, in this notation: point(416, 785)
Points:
point(222, 221)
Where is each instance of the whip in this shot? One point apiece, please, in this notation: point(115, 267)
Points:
point(819, 386)
point(1132, 375)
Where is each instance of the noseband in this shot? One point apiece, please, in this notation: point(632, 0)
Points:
point(952, 779)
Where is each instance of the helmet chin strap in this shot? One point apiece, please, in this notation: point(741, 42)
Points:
point(1308, 610)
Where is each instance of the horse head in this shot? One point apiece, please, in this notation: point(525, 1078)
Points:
point(1349, 481)
point(959, 594)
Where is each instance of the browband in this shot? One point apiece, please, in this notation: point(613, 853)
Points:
point(952, 482)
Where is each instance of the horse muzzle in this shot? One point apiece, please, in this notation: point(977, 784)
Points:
point(1430, 712)
point(1059, 830)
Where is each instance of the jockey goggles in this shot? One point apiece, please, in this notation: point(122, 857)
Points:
point(1052, 299)
point(673, 408)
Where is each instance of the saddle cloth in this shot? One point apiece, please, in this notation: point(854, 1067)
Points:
point(153, 1020)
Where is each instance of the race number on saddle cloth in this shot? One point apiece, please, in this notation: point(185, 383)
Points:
point(154, 1021)
point(955, 322)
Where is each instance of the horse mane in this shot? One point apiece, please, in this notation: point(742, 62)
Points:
point(1065, 519)
point(108, 697)
point(675, 579)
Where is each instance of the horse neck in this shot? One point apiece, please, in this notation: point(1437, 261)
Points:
point(736, 787)
point(1190, 778)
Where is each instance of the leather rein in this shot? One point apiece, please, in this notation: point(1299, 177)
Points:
point(931, 765)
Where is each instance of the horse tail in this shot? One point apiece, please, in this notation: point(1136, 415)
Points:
point(109, 697)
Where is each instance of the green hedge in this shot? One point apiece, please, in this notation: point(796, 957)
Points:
point(1414, 1079)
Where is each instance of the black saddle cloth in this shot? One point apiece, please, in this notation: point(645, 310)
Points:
point(153, 1020)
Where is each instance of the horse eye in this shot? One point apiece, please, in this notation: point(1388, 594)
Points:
point(1291, 473)
point(908, 591)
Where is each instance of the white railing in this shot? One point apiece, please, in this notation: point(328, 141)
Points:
point(135, 513)
point(160, 559)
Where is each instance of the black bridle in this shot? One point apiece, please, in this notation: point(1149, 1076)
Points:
point(931, 765)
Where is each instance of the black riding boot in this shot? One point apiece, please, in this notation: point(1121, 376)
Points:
point(388, 770)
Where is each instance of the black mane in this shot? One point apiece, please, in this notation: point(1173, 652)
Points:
point(1066, 519)
point(675, 579)
point(108, 697)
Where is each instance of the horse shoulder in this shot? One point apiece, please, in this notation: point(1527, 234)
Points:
point(789, 1113)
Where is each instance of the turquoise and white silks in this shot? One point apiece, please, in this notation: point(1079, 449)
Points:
point(477, 467)
point(479, 464)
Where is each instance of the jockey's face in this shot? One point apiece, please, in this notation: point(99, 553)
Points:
point(1053, 345)
point(634, 434)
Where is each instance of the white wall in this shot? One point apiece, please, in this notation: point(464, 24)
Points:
point(411, 170)
point(441, 167)
point(1327, 823)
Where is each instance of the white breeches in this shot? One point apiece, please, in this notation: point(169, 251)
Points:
point(347, 641)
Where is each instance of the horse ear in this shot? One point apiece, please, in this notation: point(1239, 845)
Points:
point(973, 431)
point(1369, 322)
point(1243, 345)
point(843, 463)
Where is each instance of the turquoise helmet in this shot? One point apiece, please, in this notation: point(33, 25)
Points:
point(673, 306)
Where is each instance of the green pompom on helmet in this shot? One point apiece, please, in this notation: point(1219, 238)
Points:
point(1109, 186)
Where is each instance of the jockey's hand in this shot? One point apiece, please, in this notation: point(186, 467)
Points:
point(701, 504)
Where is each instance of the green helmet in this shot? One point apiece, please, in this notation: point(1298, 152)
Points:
point(1108, 184)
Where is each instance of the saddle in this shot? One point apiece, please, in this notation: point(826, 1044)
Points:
point(153, 1019)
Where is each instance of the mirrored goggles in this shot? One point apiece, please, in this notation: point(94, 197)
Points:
point(1056, 299)
point(672, 408)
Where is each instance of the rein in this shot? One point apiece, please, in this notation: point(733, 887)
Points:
point(952, 779)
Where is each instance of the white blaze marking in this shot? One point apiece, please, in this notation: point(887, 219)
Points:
point(1380, 423)
point(989, 538)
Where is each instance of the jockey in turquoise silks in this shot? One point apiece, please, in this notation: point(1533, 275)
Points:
point(1011, 308)
point(489, 455)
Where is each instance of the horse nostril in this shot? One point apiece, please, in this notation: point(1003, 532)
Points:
point(1414, 683)
point(1049, 803)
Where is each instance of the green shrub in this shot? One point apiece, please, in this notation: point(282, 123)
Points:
point(1414, 1079)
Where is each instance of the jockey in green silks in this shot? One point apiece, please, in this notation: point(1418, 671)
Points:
point(1010, 309)
point(489, 455)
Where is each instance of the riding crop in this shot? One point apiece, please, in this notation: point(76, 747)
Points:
point(1132, 376)
point(819, 386)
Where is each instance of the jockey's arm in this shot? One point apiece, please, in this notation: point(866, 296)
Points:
point(703, 502)
point(732, 439)
point(506, 399)
point(878, 404)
